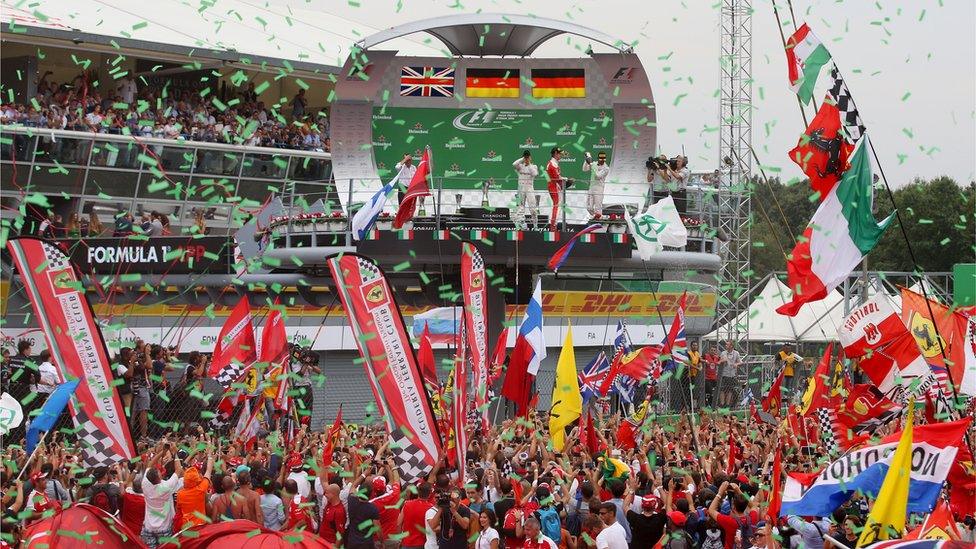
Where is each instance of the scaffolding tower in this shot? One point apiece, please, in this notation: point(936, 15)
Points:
point(735, 154)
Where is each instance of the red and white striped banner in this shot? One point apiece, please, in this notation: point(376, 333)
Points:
point(77, 348)
point(388, 357)
point(474, 288)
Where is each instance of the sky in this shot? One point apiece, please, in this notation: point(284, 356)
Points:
point(910, 65)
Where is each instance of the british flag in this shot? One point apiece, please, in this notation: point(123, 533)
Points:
point(593, 375)
point(676, 343)
point(427, 81)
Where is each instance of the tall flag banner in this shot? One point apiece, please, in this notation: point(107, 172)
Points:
point(529, 351)
point(249, 422)
point(236, 350)
point(492, 83)
point(418, 187)
point(274, 355)
point(934, 451)
point(567, 402)
point(822, 152)
point(773, 401)
point(656, 228)
point(77, 348)
point(805, 57)
point(562, 254)
point(427, 81)
point(817, 393)
point(887, 518)
point(366, 215)
point(958, 333)
point(841, 233)
point(332, 439)
point(593, 375)
point(841, 97)
point(390, 364)
point(734, 454)
point(676, 343)
point(498, 355)
point(474, 285)
point(874, 334)
point(775, 491)
point(426, 362)
point(459, 407)
point(558, 83)
point(50, 412)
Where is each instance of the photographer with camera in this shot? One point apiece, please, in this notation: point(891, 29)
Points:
point(678, 184)
point(658, 176)
point(451, 519)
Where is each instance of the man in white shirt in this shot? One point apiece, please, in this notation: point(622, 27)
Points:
point(613, 536)
point(598, 178)
point(158, 494)
point(729, 362)
point(49, 374)
point(127, 89)
point(527, 172)
point(297, 473)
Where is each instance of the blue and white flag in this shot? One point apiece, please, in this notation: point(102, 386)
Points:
point(861, 471)
point(364, 219)
point(531, 330)
point(50, 412)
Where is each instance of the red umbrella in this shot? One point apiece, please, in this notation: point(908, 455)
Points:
point(81, 526)
point(244, 534)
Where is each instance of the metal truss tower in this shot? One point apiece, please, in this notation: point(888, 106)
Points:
point(735, 153)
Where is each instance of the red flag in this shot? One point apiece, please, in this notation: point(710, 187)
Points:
point(733, 454)
point(459, 407)
point(822, 152)
point(958, 338)
point(518, 380)
point(638, 365)
point(425, 359)
point(773, 400)
point(235, 350)
point(498, 356)
point(865, 409)
point(588, 433)
point(418, 187)
point(247, 427)
point(776, 493)
point(817, 394)
point(331, 439)
point(940, 524)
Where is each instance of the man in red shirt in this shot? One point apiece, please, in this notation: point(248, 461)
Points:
point(412, 519)
point(333, 527)
point(534, 538)
point(711, 360)
point(742, 515)
point(387, 500)
point(133, 509)
point(556, 183)
point(298, 511)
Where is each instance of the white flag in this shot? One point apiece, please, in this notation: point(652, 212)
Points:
point(364, 219)
point(658, 227)
point(11, 414)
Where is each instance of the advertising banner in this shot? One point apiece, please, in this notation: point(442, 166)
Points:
point(473, 285)
point(476, 145)
point(390, 363)
point(77, 348)
point(156, 255)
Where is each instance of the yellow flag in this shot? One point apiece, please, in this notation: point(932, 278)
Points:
point(567, 402)
point(887, 518)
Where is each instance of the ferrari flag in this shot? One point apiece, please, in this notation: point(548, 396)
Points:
point(956, 337)
point(236, 350)
point(473, 285)
point(391, 366)
point(77, 348)
point(934, 450)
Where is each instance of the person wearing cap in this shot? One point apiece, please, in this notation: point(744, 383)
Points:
point(613, 536)
point(556, 184)
point(527, 172)
point(386, 498)
point(678, 537)
point(37, 500)
point(647, 526)
point(598, 179)
point(296, 471)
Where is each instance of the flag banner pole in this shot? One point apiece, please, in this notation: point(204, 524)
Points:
point(31, 456)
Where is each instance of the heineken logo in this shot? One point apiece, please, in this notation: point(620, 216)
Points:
point(647, 227)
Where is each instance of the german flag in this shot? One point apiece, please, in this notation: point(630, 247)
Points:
point(492, 83)
point(558, 83)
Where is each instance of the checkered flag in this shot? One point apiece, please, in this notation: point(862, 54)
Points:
point(848, 112)
point(231, 373)
point(409, 459)
point(56, 258)
point(367, 269)
point(827, 435)
point(96, 447)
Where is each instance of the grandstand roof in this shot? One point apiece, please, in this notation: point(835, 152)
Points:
point(481, 34)
point(280, 36)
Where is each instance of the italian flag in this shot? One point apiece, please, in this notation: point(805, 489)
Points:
point(514, 235)
point(840, 234)
point(550, 236)
point(805, 56)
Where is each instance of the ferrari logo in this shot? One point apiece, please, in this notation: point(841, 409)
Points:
point(476, 281)
point(860, 406)
point(251, 381)
point(924, 331)
point(375, 294)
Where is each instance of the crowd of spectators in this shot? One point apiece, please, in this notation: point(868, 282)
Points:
point(127, 106)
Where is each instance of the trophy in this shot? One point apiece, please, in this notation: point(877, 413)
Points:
point(423, 211)
point(457, 199)
point(535, 212)
point(485, 185)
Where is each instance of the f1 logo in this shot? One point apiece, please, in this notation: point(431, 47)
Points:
point(624, 74)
